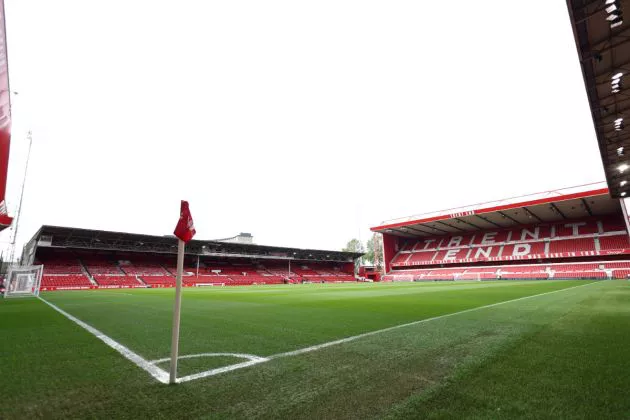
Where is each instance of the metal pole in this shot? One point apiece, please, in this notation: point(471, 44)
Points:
point(29, 136)
point(197, 266)
point(177, 311)
point(289, 269)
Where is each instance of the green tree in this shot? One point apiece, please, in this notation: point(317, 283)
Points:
point(374, 251)
point(368, 258)
point(353, 245)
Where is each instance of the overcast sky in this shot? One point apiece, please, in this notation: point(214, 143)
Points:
point(302, 122)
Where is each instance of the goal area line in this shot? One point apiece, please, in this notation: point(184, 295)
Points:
point(162, 376)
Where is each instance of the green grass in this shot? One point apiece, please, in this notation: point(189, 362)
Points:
point(559, 355)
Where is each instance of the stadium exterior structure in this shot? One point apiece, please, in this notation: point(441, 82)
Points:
point(76, 258)
point(578, 232)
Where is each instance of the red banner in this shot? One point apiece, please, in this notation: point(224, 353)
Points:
point(5, 119)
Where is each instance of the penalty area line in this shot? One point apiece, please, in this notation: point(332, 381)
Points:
point(159, 374)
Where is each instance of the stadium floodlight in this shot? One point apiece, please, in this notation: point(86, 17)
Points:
point(613, 16)
point(617, 21)
point(623, 167)
point(620, 151)
point(622, 183)
point(612, 5)
point(617, 76)
point(23, 281)
point(619, 124)
point(623, 194)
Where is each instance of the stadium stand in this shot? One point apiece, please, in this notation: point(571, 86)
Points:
point(573, 233)
point(68, 281)
point(96, 266)
point(161, 281)
point(88, 259)
point(121, 281)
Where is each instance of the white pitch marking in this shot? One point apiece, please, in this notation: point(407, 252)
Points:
point(252, 360)
point(223, 369)
point(193, 356)
point(156, 372)
point(101, 293)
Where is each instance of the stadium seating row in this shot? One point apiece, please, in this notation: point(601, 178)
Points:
point(81, 280)
point(619, 270)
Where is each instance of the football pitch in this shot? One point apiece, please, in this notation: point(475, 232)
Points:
point(529, 349)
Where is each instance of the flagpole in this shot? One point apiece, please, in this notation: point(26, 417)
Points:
point(177, 311)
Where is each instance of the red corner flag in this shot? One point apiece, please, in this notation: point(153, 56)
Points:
point(185, 229)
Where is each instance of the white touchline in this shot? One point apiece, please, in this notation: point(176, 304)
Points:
point(156, 372)
point(163, 376)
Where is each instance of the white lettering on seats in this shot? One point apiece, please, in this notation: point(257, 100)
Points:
point(483, 251)
point(428, 242)
point(532, 234)
point(521, 250)
point(488, 238)
point(455, 241)
point(451, 254)
point(575, 227)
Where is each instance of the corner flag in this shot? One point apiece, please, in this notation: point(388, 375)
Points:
point(185, 230)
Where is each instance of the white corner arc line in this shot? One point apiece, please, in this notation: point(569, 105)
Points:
point(159, 374)
point(194, 356)
point(223, 369)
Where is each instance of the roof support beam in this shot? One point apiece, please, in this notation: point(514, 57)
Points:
point(558, 211)
point(531, 213)
point(613, 142)
point(438, 229)
point(610, 72)
point(453, 227)
point(418, 230)
point(604, 45)
point(595, 12)
point(587, 207)
point(469, 224)
point(489, 221)
point(507, 216)
point(402, 233)
point(585, 5)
